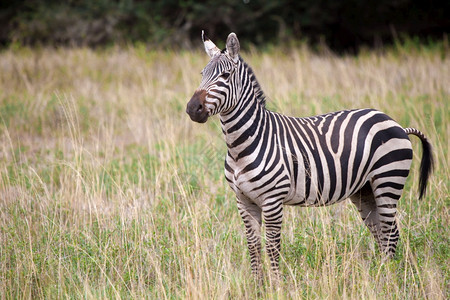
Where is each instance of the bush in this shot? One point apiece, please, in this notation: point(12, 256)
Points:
point(340, 24)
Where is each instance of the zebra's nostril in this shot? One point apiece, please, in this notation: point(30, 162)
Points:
point(200, 108)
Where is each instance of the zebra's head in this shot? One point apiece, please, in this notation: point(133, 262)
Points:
point(217, 91)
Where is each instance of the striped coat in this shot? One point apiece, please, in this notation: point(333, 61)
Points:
point(275, 160)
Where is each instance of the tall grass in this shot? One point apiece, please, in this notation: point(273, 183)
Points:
point(108, 190)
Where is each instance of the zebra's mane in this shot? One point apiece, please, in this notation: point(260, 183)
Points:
point(259, 94)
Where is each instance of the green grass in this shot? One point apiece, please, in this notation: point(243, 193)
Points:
point(108, 190)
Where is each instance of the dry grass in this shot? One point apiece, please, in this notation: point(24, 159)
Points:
point(108, 190)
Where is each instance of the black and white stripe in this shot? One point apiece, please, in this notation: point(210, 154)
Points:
point(275, 160)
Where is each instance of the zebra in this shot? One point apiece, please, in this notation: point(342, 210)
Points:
point(275, 160)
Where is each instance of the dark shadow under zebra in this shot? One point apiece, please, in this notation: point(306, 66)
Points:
point(275, 160)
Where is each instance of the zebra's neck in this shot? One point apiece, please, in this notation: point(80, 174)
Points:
point(242, 125)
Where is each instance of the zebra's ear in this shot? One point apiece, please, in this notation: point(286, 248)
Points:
point(233, 47)
point(210, 48)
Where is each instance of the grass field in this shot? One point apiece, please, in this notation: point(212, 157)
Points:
point(108, 190)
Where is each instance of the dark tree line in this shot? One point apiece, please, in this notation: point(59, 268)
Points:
point(342, 25)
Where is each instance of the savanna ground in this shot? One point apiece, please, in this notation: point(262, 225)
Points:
point(108, 190)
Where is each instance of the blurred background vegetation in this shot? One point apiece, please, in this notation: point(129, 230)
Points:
point(341, 25)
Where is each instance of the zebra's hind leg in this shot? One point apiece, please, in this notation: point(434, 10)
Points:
point(364, 200)
point(387, 194)
point(377, 205)
point(251, 215)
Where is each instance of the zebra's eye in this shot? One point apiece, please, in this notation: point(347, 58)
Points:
point(225, 75)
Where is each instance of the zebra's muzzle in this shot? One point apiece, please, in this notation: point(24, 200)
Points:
point(196, 108)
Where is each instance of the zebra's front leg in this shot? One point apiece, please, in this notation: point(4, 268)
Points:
point(273, 217)
point(251, 215)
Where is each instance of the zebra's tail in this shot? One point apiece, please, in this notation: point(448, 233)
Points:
point(427, 163)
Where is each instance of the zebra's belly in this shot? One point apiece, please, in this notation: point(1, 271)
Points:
point(302, 201)
point(304, 192)
point(324, 190)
